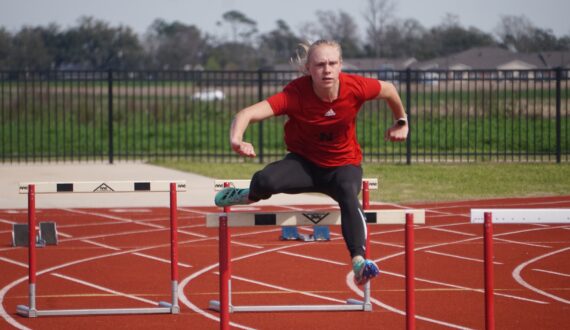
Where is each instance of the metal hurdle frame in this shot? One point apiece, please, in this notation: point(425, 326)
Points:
point(506, 216)
point(224, 304)
point(31, 189)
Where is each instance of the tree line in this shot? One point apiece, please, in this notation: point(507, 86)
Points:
point(94, 44)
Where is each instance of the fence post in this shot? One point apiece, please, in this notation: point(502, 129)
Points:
point(409, 114)
point(558, 116)
point(259, 99)
point(110, 112)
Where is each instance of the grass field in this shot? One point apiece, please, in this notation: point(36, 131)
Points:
point(433, 183)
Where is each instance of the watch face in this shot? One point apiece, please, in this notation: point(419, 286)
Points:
point(401, 122)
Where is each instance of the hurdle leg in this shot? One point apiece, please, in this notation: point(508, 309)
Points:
point(173, 305)
point(410, 285)
point(366, 205)
point(31, 310)
point(225, 268)
point(489, 276)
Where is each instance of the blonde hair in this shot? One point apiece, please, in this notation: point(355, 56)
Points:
point(305, 50)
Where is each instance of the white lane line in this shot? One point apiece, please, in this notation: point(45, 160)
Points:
point(357, 290)
point(14, 262)
point(144, 255)
point(517, 276)
point(166, 261)
point(452, 231)
point(419, 279)
point(112, 217)
point(101, 288)
point(387, 244)
point(551, 272)
point(313, 258)
point(247, 245)
point(191, 233)
point(460, 257)
point(281, 288)
point(105, 246)
point(521, 243)
point(130, 210)
point(62, 234)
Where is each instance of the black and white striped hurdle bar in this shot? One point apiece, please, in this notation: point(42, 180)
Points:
point(102, 186)
point(311, 218)
point(219, 184)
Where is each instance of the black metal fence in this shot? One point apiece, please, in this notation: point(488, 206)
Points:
point(455, 116)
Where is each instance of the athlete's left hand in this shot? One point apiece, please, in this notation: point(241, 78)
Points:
point(396, 133)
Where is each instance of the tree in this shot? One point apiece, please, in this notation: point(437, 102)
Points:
point(29, 50)
point(450, 37)
point(341, 27)
point(520, 34)
point(233, 56)
point(174, 45)
point(278, 45)
point(403, 39)
point(5, 49)
point(93, 44)
point(241, 26)
point(378, 14)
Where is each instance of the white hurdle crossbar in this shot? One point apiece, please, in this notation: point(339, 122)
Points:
point(300, 218)
point(522, 215)
point(219, 184)
point(311, 218)
point(101, 187)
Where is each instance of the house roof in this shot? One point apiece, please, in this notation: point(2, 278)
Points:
point(478, 58)
point(483, 58)
point(378, 63)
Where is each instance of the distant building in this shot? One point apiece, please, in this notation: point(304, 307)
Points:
point(478, 62)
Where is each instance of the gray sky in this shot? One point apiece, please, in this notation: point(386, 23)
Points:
point(138, 14)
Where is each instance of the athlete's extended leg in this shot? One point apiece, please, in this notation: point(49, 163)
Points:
point(345, 184)
point(291, 175)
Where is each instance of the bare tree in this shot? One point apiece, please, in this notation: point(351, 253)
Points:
point(174, 45)
point(378, 14)
point(520, 34)
point(240, 25)
point(341, 27)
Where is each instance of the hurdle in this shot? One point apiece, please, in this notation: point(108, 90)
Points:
point(31, 189)
point(507, 216)
point(227, 219)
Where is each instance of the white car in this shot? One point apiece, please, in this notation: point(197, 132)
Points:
point(211, 95)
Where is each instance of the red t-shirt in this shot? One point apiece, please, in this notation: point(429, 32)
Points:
point(324, 132)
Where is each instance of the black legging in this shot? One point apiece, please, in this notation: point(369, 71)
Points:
point(294, 174)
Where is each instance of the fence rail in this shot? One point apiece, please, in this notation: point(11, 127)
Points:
point(104, 116)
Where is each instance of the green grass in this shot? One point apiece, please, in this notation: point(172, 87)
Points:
point(432, 183)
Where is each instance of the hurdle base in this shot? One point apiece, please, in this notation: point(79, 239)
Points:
point(367, 307)
point(352, 305)
point(27, 312)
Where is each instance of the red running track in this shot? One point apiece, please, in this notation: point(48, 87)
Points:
point(532, 272)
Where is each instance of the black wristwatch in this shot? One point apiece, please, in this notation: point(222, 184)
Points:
point(402, 121)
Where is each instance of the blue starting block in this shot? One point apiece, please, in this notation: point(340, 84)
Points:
point(291, 233)
point(321, 233)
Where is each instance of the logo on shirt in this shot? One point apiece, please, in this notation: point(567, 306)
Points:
point(330, 113)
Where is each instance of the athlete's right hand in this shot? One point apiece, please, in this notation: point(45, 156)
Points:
point(244, 148)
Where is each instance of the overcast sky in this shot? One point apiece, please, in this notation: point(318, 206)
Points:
point(139, 14)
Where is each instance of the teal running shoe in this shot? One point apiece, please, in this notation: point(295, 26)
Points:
point(232, 196)
point(364, 270)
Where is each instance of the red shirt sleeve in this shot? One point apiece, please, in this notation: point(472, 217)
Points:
point(284, 101)
point(369, 88)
